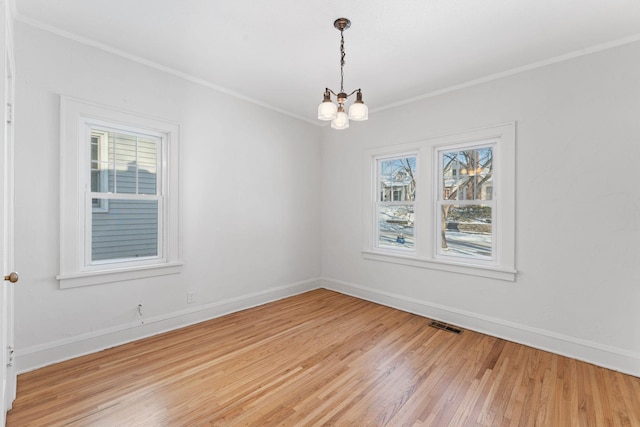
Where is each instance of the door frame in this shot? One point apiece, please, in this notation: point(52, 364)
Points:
point(7, 69)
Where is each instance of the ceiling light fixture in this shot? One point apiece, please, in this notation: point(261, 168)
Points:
point(327, 110)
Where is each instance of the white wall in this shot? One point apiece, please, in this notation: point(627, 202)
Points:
point(577, 215)
point(250, 208)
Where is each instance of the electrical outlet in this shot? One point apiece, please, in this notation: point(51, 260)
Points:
point(191, 297)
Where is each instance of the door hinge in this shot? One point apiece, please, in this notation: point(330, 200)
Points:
point(10, 352)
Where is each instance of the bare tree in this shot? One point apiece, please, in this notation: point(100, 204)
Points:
point(471, 172)
point(408, 168)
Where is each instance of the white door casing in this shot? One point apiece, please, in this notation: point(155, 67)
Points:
point(7, 374)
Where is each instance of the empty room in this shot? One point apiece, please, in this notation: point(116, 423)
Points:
point(349, 213)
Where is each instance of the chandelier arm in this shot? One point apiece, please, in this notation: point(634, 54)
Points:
point(335, 94)
point(357, 90)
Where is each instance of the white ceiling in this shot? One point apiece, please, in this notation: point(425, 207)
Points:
point(283, 53)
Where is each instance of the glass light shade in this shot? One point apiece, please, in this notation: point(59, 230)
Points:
point(358, 111)
point(341, 121)
point(327, 110)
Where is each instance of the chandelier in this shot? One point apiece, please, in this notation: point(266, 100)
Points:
point(327, 110)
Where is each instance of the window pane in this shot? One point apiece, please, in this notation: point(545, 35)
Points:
point(397, 179)
point(124, 148)
point(123, 151)
point(467, 174)
point(97, 180)
point(147, 164)
point(129, 166)
point(126, 178)
point(94, 149)
point(128, 230)
point(466, 230)
point(395, 226)
point(112, 181)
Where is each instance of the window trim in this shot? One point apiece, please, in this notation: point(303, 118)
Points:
point(75, 204)
point(426, 225)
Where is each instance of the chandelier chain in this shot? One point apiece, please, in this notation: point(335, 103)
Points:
point(342, 55)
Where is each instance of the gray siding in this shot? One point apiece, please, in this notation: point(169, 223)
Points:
point(128, 230)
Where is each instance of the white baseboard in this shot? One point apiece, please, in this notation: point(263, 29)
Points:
point(598, 354)
point(35, 357)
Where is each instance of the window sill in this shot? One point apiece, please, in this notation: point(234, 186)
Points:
point(473, 270)
point(90, 278)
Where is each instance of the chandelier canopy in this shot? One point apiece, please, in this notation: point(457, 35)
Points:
point(327, 110)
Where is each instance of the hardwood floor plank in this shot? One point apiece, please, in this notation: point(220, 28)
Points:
point(322, 358)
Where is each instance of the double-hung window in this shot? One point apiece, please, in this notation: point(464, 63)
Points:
point(465, 207)
point(126, 196)
point(457, 214)
point(119, 195)
point(395, 204)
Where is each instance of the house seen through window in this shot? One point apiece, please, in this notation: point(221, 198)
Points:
point(397, 190)
point(465, 202)
point(124, 195)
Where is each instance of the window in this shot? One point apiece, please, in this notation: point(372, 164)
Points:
point(395, 211)
point(119, 195)
point(465, 207)
point(126, 225)
point(457, 214)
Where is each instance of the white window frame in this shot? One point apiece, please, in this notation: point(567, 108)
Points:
point(502, 263)
point(78, 118)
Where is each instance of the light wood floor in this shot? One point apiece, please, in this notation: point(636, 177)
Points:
point(322, 358)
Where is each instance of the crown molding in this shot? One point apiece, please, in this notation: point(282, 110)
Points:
point(518, 70)
point(151, 64)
